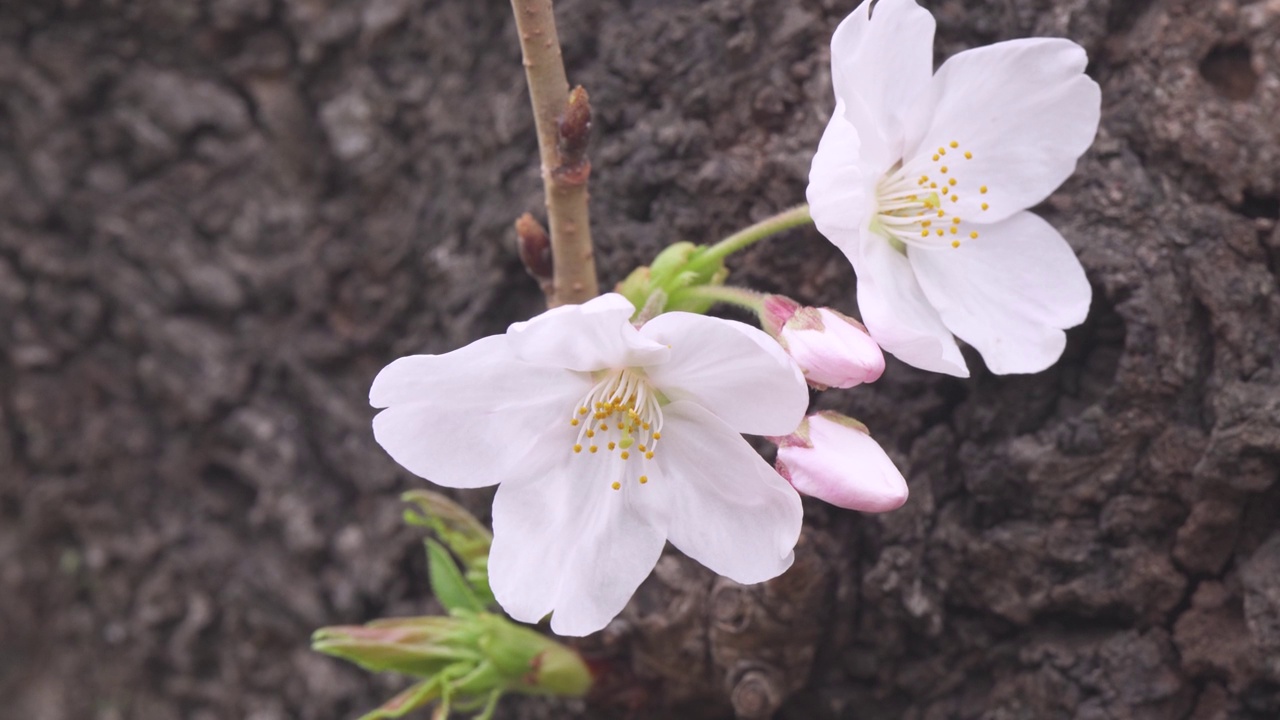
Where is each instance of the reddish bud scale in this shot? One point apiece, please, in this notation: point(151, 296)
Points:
point(534, 246)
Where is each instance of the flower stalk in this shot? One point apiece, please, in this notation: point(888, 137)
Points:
point(563, 123)
point(770, 226)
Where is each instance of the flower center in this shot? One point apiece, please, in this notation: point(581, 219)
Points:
point(622, 415)
point(912, 201)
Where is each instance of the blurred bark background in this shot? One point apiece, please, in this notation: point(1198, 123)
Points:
point(219, 219)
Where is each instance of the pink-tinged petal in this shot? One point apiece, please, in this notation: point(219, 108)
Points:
point(897, 313)
point(565, 542)
point(595, 335)
point(832, 350)
point(469, 417)
point(1009, 293)
point(841, 464)
point(1023, 109)
point(841, 187)
point(881, 62)
point(733, 370)
point(726, 507)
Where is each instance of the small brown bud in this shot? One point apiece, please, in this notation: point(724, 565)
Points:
point(534, 246)
point(574, 130)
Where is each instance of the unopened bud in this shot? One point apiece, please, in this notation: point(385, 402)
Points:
point(465, 537)
point(574, 134)
point(468, 656)
point(534, 245)
point(833, 458)
point(833, 350)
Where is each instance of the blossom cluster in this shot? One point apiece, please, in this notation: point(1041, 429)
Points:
point(615, 426)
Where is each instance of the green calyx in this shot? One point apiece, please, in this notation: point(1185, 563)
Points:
point(663, 285)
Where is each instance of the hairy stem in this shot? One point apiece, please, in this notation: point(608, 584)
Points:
point(566, 192)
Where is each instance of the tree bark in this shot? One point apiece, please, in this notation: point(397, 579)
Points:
point(219, 220)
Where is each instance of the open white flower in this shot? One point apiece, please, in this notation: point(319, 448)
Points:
point(923, 179)
point(608, 441)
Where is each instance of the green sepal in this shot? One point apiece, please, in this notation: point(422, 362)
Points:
point(411, 699)
point(447, 583)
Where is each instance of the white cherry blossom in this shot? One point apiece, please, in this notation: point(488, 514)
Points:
point(922, 179)
point(606, 441)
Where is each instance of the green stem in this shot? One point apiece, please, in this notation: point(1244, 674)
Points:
point(741, 297)
point(795, 217)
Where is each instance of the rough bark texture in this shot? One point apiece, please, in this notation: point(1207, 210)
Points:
point(219, 219)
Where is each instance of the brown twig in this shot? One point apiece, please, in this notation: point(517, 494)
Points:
point(561, 126)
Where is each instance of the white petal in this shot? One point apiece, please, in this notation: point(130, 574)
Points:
point(884, 60)
point(840, 191)
point(474, 448)
point(897, 313)
point(1009, 293)
point(468, 418)
point(595, 335)
point(564, 541)
point(726, 507)
point(731, 369)
point(844, 466)
point(1023, 108)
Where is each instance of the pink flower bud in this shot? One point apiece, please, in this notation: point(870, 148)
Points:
point(833, 350)
point(832, 458)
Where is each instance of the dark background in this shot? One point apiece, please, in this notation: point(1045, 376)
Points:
point(219, 219)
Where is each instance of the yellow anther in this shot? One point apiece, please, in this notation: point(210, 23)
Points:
point(641, 448)
point(582, 411)
point(968, 155)
point(625, 455)
point(612, 445)
point(952, 181)
point(591, 433)
point(985, 206)
point(935, 157)
point(942, 151)
point(955, 221)
point(648, 455)
point(604, 426)
point(574, 422)
point(933, 185)
point(616, 485)
point(973, 235)
point(954, 230)
point(955, 243)
point(924, 233)
point(983, 189)
point(942, 213)
point(644, 479)
point(657, 436)
point(943, 168)
point(645, 426)
point(577, 448)
point(593, 448)
point(955, 198)
point(926, 223)
point(955, 144)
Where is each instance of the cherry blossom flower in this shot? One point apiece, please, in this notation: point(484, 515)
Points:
point(833, 458)
point(922, 179)
point(832, 350)
point(605, 441)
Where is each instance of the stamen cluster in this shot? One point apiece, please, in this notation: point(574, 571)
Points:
point(913, 212)
point(620, 413)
